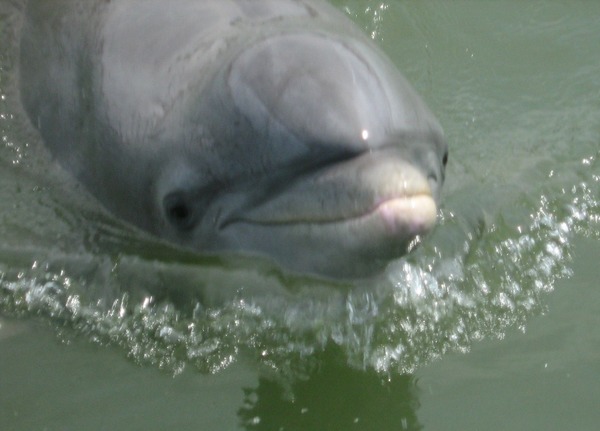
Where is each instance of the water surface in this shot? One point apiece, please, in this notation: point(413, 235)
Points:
point(492, 324)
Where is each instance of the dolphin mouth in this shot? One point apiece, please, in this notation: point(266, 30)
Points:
point(377, 197)
point(415, 213)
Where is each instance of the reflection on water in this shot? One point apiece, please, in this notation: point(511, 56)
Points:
point(85, 383)
point(503, 240)
point(333, 397)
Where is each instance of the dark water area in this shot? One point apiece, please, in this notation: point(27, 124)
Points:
point(490, 324)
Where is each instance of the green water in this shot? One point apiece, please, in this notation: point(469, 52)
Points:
point(491, 325)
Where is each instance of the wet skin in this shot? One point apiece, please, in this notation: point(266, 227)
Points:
point(271, 127)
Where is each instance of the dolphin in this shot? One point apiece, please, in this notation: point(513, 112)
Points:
point(273, 128)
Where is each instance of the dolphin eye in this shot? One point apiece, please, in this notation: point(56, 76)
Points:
point(445, 159)
point(178, 211)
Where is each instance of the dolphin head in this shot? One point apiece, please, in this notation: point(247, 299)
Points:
point(310, 149)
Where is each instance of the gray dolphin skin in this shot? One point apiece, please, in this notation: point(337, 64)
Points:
point(273, 128)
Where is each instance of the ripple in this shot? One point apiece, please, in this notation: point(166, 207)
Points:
point(427, 305)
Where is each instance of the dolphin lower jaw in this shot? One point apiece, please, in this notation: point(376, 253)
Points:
point(392, 224)
point(353, 247)
point(414, 214)
point(370, 208)
point(409, 216)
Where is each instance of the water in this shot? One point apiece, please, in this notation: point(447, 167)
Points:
point(490, 325)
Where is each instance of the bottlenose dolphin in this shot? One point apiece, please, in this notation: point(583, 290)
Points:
point(263, 127)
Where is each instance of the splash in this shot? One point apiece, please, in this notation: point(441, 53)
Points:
point(427, 305)
point(373, 15)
